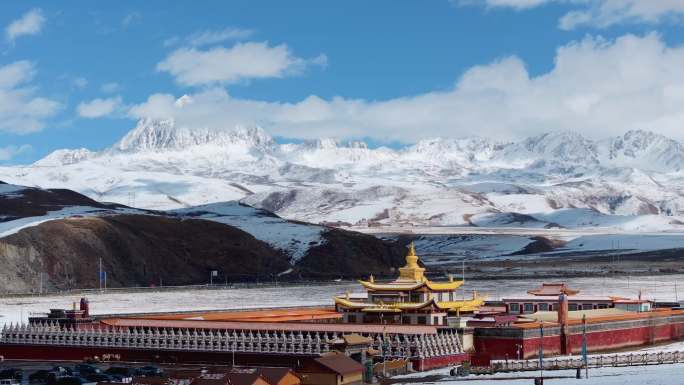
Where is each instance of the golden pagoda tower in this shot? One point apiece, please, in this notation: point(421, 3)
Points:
point(409, 299)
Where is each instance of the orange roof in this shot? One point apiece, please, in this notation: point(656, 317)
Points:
point(619, 317)
point(278, 326)
point(264, 315)
point(553, 289)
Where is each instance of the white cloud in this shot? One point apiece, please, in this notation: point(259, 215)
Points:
point(210, 37)
point(30, 23)
point(20, 110)
point(597, 87)
point(517, 4)
point(80, 82)
point(131, 18)
point(243, 61)
point(605, 13)
point(110, 88)
point(98, 108)
point(9, 152)
point(600, 13)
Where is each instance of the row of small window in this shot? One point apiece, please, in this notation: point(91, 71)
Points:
point(406, 320)
point(532, 307)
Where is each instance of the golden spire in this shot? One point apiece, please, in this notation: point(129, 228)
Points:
point(412, 271)
point(371, 279)
point(412, 258)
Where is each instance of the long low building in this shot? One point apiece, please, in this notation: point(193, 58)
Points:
point(270, 336)
point(562, 332)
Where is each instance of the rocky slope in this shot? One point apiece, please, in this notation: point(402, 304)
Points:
point(61, 238)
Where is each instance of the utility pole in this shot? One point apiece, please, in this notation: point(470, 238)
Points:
point(99, 274)
point(463, 269)
point(676, 296)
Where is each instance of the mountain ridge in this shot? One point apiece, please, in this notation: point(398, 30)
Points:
point(438, 181)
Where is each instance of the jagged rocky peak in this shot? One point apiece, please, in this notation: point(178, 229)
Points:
point(65, 157)
point(644, 149)
point(560, 147)
point(635, 142)
point(472, 144)
point(159, 135)
point(332, 144)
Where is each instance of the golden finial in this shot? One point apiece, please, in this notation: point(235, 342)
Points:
point(371, 279)
point(451, 278)
point(346, 294)
point(412, 270)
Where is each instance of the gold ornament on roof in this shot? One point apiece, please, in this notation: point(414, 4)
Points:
point(412, 271)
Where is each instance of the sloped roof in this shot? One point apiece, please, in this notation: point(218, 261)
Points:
point(273, 375)
point(553, 289)
point(340, 364)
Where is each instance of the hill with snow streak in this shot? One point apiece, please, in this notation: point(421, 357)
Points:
point(634, 181)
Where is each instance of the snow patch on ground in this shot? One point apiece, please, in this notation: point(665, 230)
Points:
point(11, 190)
point(626, 242)
point(12, 227)
point(451, 248)
point(293, 238)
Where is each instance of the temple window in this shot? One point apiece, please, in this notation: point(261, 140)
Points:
point(543, 307)
point(514, 308)
point(529, 308)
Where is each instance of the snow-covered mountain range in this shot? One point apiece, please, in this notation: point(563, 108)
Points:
point(634, 181)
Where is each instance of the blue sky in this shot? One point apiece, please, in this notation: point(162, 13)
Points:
point(83, 72)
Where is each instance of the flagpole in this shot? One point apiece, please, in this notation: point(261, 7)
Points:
point(99, 274)
point(541, 350)
point(584, 346)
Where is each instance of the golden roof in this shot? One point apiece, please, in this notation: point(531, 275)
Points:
point(466, 305)
point(411, 277)
point(434, 286)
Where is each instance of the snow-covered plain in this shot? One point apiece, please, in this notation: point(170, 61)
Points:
point(151, 300)
point(668, 374)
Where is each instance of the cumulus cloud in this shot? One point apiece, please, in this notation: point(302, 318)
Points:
point(9, 152)
point(600, 13)
point(30, 23)
point(210, 37)
point(21, 111)
point(243, 61)
point(98, 108)
point(597, 87)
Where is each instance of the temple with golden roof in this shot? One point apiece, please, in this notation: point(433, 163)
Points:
point(410, 299)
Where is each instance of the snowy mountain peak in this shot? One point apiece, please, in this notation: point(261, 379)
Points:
point(644, 149)
point(149, 134)
point(161, 135)
point(65, 157)
point(557, 147)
